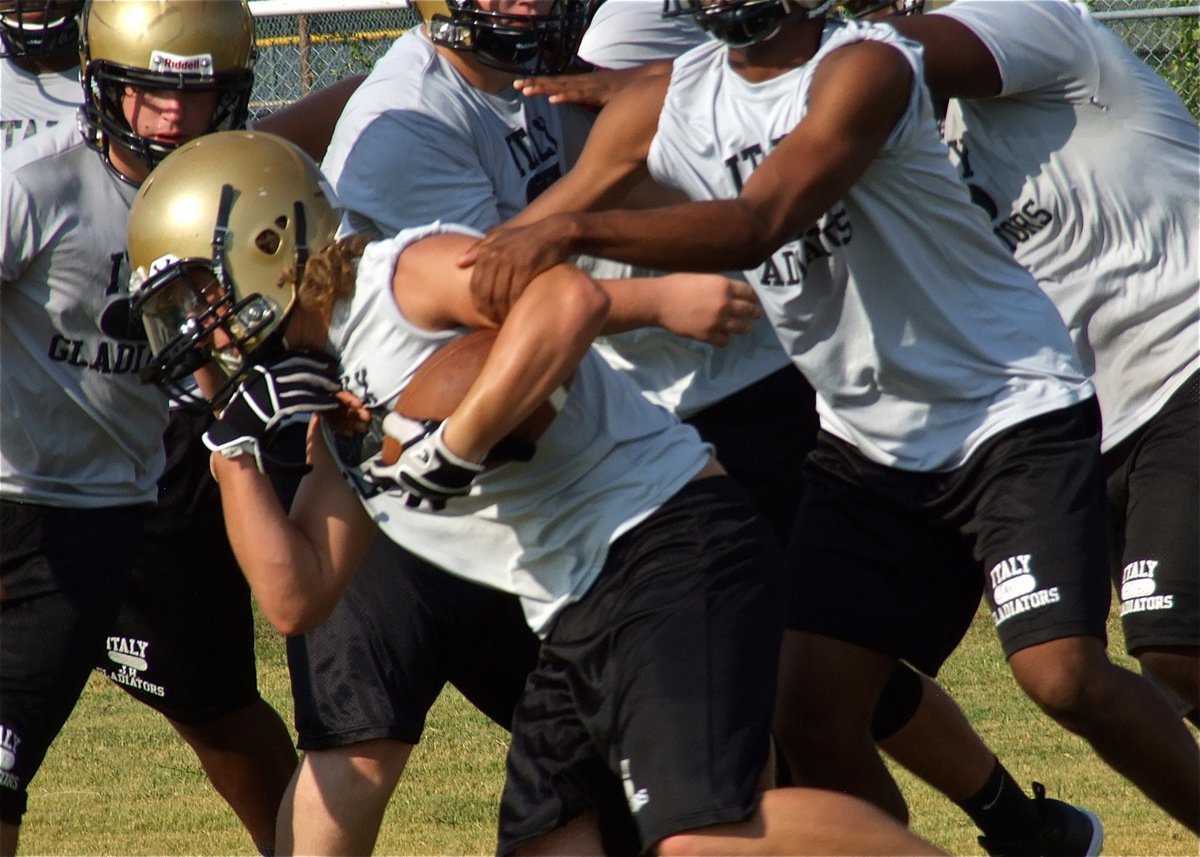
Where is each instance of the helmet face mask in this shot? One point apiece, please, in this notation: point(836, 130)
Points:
point(192, 320)
point(176, 45)
point(541, 43)
point(213, 235)
point(39, 28)
point(740, 23)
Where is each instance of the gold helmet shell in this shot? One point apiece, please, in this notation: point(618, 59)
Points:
point(212, 232)
point(163, 44)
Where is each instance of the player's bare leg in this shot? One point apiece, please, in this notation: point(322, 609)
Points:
point(1178, 668)
point(335, 802)
point(9, 833)
point(803, 821)
point(1125, 719)
point(827, 693)
point(249, 758)
point(939, 745)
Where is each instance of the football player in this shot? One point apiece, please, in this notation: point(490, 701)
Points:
point(807, 112)
point(644, 571)
point(1131, 307)
point(81, 434)
point(39, 69)
point(436, 132)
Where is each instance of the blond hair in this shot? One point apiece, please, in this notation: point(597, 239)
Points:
point(329, 273)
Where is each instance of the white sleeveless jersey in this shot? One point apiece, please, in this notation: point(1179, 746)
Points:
point(919, 332)
point(31, 102)
point(78, 429)
point(1088, 165)
point(540, 529)
point(680, 374)
point(627, 33)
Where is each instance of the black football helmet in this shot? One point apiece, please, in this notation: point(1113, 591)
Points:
point(541, 43)
point(39, 28)
point(739, 23)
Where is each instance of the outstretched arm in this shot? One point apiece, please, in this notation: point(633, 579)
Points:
point(957, 62)
point(309, 122)
point(857, 96)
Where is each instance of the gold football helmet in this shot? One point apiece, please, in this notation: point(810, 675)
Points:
point(212, 231)
point(38, 28)
point(540, 43)
point(163, 44)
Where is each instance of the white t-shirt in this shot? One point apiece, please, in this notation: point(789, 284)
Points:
point(1088, 165)
point(627, 33)
point(920, 333)
point(416, 143)
point(77, 427)
point(538, 529)
point(31, 102)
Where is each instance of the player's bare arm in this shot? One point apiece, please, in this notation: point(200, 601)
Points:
point(957, 62)
point(612, 162)
point(857, 96)
point(537, 349)
point(297, 566)
point(593, 89)
point(709, 308)
point(309, 122)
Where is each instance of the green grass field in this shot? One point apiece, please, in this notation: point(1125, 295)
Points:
point(119, 782)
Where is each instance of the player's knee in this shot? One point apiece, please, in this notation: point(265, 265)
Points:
point(1070, 685)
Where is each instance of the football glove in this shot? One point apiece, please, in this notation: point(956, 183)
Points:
point(271, 395)
point(427, 473)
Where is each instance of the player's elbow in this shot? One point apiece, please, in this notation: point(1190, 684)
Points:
point(295, 617)
point(583, 303)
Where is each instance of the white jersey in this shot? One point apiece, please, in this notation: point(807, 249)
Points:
point(416, 142)
point(77, 428)
point(674, 372)
point(32, 102)
point(540, 529)
point(919, 332)
point(1089, 166)
point(627, 33)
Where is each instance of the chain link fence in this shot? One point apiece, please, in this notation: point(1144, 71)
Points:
point(302, 52)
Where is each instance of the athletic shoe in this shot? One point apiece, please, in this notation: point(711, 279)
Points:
point(1067, 831)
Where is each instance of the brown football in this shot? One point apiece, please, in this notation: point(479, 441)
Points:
point(441, 382)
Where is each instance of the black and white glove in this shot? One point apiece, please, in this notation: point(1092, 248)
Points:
point(427, 472)
point(270, 396)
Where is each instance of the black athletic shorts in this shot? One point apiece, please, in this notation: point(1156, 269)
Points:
point(656, 689)
point(402, 630)
point(63, 573)
point(895, 561)
point(183, 642)
point(762, 434)
point(1154, 511)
